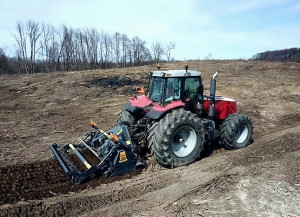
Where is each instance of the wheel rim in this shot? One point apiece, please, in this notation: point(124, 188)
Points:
point(242, 134)
point(184, 141)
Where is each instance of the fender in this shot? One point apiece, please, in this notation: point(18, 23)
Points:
point(131, 108)
point(158, 110)
point(138, 105)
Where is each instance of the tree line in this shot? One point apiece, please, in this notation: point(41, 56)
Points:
point(288, 55)
point(44, 48)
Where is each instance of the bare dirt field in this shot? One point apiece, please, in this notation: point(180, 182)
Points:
point(262, 179)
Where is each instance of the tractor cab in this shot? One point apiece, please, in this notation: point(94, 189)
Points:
point(171, 85)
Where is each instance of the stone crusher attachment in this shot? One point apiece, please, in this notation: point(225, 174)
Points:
point(98, 153)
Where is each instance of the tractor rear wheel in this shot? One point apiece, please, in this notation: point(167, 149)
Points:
point(236, 131)
point(127, 118)
point(178, 139)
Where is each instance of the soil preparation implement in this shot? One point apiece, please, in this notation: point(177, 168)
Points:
point(172, 122)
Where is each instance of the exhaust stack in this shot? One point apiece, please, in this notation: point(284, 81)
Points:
point(212, 95)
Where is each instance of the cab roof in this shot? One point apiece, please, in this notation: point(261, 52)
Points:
point(176, 73)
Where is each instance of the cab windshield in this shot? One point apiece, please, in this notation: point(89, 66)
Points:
point(165, 89)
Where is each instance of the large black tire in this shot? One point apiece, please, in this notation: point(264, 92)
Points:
point(150, 136)
point(127, 118)
point(236, 131)
point(177, 139)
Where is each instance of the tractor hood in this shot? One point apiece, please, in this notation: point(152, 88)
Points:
point(224, 106)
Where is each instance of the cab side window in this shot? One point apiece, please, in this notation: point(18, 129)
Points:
point(190, 88)
point(173, 88)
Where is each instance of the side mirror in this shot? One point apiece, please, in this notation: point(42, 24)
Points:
point(200, 90)
point(200, 99)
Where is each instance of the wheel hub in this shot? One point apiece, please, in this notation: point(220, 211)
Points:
point(184, 141)
point(242, 134)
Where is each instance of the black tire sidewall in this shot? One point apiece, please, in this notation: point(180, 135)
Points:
point(196, 151)
point(229, 130)
point(126, 117)
point(164, 132)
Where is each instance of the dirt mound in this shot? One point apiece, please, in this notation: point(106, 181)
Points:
point(28, 181)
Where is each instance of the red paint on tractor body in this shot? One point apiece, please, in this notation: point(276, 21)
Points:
point(140, 101)
point(224, 106)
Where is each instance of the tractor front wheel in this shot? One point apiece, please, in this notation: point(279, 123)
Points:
point(127, 118)
point(178, 139)
point(236, 131)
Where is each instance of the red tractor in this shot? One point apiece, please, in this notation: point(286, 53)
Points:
point(175, 119)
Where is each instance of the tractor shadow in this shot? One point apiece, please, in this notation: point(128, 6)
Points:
point(211, 149)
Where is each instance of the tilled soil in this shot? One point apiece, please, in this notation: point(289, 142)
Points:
point(262, 179)
point(39, 180)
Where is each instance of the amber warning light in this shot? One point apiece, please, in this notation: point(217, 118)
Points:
point(93, 124)
point(142, 90)
point(186, 66)
point(158, 67)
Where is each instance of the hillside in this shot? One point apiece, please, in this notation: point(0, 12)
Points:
point(260, 180)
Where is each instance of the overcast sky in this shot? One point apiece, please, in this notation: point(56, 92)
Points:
point(225, 28)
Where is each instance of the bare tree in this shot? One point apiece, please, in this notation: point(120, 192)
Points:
point(136, 47)
point(49, 48)
point(45, 48)
point(157, 51)
point(125, 47)
point(141, 53)
point(101, 50)
point(34, 32)
point(82, 44)
point(209, 56)
point(68, 48)
point(21, 48)
point(167, 50)
point(107, 41)
point(94, 41)
point(27, 42)
point(116, 47)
